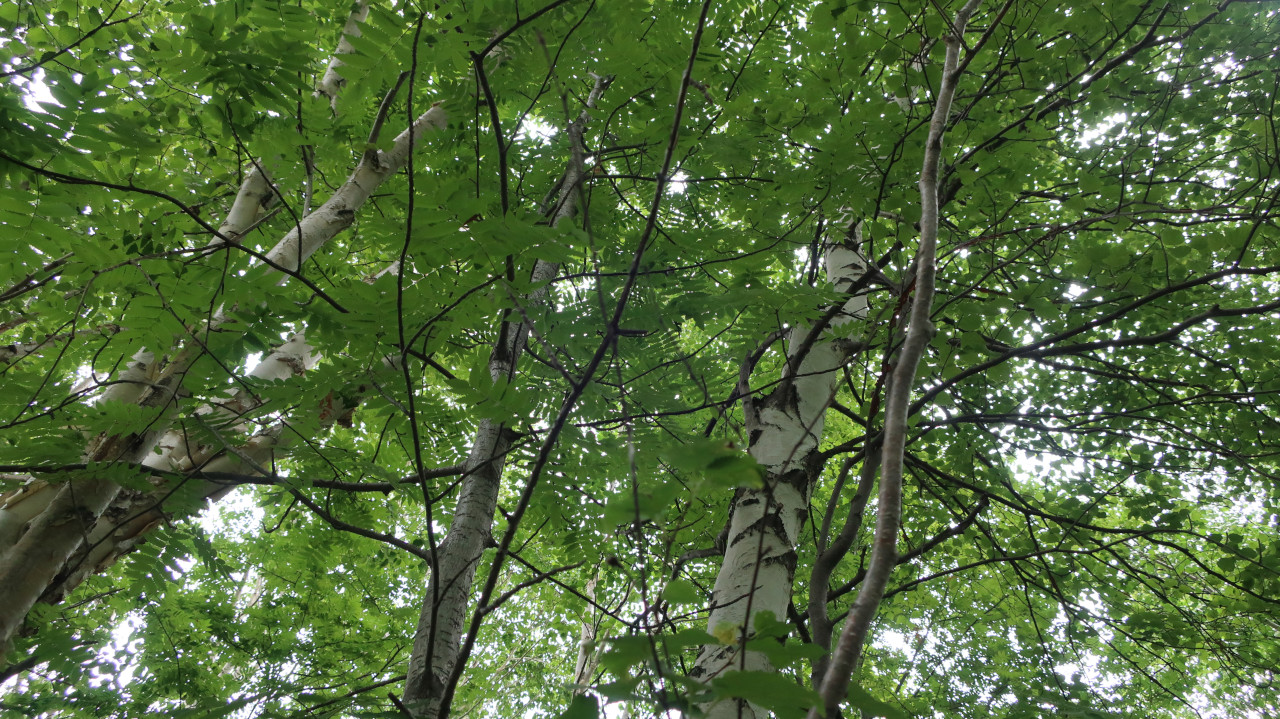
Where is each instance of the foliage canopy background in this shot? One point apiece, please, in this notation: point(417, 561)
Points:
point(599, 256)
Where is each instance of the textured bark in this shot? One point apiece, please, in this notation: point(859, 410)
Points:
point(441, 624)
point(28, 567)
point(43, 545)
point(339, 211)
point(134, 513)
point(179, 453)
point(60, 534)
point(20, 508)
point(254, 197)
point(785, 429)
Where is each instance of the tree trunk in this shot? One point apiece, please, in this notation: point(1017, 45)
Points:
point(785, 429)
point(52, 536)
point(446, 606)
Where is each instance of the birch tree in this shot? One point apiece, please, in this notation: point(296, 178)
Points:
point(732, 359)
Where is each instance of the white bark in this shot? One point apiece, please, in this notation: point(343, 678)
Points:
point(31, 562)
point(134, 513)
point(332, 82)
point(177, 452)
point(339, 211)
point(254, 197)
point(21, 506)
point(445, 608)
point(442, 622)
point(760, 557)
point(584, 667)
point(18, 508)
point(38, 547)
point(29, 565)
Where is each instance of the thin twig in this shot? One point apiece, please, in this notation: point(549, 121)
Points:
point(537, 579)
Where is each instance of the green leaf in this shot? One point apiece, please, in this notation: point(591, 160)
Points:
point(583, 706)
point(588, 387)
point(872, 707)
point(779, 694)
point(720, 462)
point(626, 652)
point(681, 591)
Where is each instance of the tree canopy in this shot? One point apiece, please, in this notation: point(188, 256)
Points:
point(580, 359)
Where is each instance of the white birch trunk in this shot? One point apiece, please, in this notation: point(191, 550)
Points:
point(40, 541)
point(42, 545)
point(19, 507)
point(339, 211)
point(446, 606)
point(584, 667)
point(134, 513)
point(254, 197)
point(442, 622)
point(760, 557)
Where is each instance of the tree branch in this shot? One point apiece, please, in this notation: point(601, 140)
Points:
point(889, 502)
